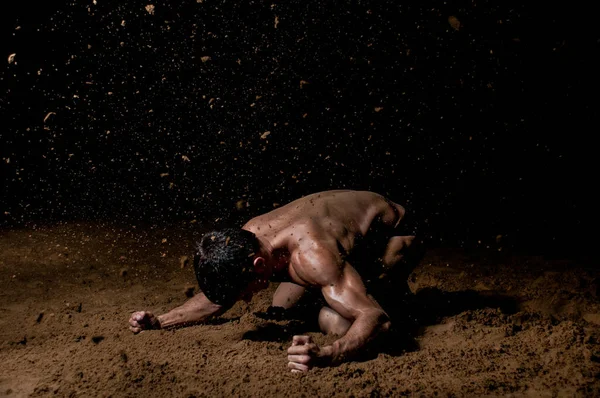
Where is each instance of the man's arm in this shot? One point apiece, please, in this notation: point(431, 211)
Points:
point(195, 310)
point(348, 297)
point(345, 292)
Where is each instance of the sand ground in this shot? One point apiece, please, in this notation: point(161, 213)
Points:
point(67, 292)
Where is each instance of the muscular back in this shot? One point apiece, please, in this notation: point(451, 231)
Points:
point(324, 225)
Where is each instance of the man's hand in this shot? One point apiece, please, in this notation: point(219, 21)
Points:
point(304, 354)
point(143, 320)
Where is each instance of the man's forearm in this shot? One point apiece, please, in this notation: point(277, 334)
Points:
point(196, 309)
point(363, 330)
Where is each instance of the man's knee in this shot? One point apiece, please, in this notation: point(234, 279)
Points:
point(331, 322)
point(287, 295)
point(400, 248)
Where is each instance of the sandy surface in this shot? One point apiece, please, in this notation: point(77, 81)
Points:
point(67, 292)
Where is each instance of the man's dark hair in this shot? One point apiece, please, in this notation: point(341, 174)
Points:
point(224, 264)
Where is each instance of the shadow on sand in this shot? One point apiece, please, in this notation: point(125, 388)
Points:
point(429, 306)
point(409, 314)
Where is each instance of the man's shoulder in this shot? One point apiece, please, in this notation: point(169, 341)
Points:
point(316, 262)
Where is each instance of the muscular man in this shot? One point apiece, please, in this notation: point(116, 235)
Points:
point(337, 241)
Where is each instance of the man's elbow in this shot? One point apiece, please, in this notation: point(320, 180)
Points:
point(383, 320)
point(386, 326)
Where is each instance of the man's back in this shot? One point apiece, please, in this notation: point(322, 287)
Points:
point(330, 220)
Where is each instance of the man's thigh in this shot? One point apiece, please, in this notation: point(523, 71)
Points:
point(390, 287)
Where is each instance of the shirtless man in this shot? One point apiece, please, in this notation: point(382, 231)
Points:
point(307, 243)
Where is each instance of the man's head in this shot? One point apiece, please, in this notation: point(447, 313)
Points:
point(228, 265)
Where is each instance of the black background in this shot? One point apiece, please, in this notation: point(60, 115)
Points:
point(486, 130)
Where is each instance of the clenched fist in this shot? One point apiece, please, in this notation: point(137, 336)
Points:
point(143, 320)
point(304, 354)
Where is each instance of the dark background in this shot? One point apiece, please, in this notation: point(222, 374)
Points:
point(484, 130)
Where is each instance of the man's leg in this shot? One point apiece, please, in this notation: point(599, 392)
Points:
point(287, 295)
point(402, 255)
point(331, 322)
point(397, 249)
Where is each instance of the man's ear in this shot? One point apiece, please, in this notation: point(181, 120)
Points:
point(259, 265)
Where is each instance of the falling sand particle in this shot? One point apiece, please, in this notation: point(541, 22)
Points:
point(454, 22)
point(48, 116)
point(184, 261)
point(189, 291)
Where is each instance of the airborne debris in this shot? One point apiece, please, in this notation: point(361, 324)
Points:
point(276, 21)
point(378, 108)
point(11, 58)
point(164, 240)
point(48, 116)
point(265, 135)
point(205, 58)
point(302, 83)
point(150, 9)
point(164, 174)
point(454, 22)
point(185, 158)
point(184, 261)
point(240, 204)
point(189, 291)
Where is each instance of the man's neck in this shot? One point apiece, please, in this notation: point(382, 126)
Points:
point(280, 263)
point(279, 259)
